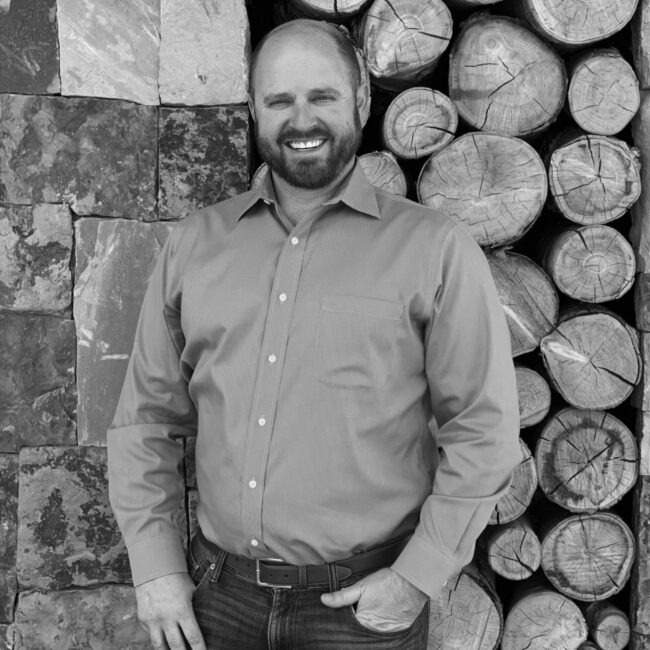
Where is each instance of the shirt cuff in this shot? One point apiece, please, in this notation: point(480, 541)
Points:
point(156, 557)
point(425, 566)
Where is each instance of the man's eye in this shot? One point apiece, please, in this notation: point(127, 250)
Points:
point(324, 98)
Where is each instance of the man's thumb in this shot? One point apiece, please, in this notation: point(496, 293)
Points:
point(342, 597)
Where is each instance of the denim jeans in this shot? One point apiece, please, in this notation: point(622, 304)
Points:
point(234, 613)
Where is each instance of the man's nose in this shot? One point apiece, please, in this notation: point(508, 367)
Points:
point(303, 116)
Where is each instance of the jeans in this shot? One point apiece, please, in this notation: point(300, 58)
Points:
point(234, 613)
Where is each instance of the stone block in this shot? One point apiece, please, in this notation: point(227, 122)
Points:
point(640, 579)
point(37, 387)
point(97, 619)
point(204, 52)
point(639, 642)
point(67, 535)
point(190, 462)
point(114, 259)
point(642, 301)
point(204, 157)
point(110, 48)
point(97, 155)
point(641, 43)
point(8, 532)
point(643, 440)
point(29, 47)
point(7, 637)
point(640, 230)
point(35, 253)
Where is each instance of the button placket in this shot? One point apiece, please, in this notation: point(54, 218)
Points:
point(267, 385)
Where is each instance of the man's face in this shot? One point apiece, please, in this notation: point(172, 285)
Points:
point(307, 122)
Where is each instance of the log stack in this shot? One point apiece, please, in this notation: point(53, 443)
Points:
point(513, 118)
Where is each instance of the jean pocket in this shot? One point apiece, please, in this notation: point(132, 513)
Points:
point(355, 341)
point(200, 570)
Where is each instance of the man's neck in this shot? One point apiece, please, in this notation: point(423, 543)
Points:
point(299, 202)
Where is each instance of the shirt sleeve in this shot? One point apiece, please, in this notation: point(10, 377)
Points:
point(145, 449)
point(475, 404)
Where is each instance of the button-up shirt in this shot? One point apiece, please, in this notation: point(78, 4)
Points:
point(349, 379)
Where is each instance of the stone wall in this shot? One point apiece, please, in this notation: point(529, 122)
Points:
point(115, 119)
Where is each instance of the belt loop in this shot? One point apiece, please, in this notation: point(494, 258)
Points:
point(219, 559)
point(333, 576)
point(302, 576)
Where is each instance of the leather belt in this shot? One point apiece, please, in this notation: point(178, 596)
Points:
point(278, 574)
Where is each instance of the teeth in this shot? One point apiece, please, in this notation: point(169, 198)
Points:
point(308, 144)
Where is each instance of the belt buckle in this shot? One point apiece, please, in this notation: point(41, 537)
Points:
point(257, 574)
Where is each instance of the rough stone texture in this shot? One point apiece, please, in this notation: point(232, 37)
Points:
point(98, 155)
point(67, 534)
point(640, 591)
point(35, 253)
point(204, 52)
point(37, 389)
point(641, 394)
point(204, 156)
point(28, 47)
point(640, 231)
point(92, 619)
point(114, 259)
point(190, 462)
point(643, 439)
point(639, 642)
point(7, 637)
point(642, 301)
point(8, 532)
point(110, 48)
point(641, 43)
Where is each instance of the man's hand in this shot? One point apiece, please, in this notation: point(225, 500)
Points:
point(165, 609)
point(386, 601)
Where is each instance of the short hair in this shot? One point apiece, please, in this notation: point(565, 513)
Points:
point(340, 36)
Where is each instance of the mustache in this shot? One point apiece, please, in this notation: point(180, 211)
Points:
point(312, 134)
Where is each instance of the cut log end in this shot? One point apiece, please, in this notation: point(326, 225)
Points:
point(494, 185)
point(513, 550)
point(544, 619)
point(505, 79)
point(586, 460)
point(589, 557)
point(592, 263)
point(603, 93)
point(383, 171)
point(419, 122)
point(534, 396)
point(594, 179)
point(520, 493)
point(608, 625)
point(593, 359)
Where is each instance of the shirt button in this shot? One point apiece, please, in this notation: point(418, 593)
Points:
point(272, 358)
point(261, 422)
point(254, 542)
point(252, 484)
point(283, 297)
point(294, 241)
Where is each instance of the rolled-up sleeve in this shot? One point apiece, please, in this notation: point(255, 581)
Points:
point(145, 450)
point(474, 400)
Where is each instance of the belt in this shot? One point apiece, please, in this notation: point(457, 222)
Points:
point(275, 573)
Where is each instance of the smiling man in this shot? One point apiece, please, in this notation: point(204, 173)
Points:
point(342, 357)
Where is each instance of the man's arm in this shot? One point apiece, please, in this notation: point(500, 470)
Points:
point(145, 454)
point(474, 399)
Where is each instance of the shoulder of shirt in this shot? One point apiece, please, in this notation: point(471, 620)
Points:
point(393, 206)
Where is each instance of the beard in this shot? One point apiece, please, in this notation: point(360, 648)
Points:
point(314, 172)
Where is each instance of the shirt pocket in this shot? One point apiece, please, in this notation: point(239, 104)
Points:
point(355, 341)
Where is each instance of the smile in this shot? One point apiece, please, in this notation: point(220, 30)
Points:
point(305, 145)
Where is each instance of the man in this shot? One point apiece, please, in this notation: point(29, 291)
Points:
point(343, 358)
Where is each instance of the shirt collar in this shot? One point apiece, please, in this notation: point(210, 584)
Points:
point(356, 192)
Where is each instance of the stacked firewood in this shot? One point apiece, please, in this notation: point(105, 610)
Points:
point(513, 119)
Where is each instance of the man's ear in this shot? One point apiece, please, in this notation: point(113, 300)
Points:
point(251, 106)
point(363, 91)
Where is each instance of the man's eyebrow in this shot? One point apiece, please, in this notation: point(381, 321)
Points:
point(325, 91)
point(274, 97)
